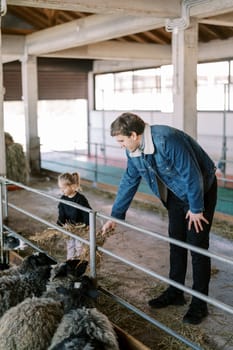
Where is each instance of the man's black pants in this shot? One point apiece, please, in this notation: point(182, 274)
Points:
point(178, 229)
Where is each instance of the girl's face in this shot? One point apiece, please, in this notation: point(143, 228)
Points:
point(67, 190)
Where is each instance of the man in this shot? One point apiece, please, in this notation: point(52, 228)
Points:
point(182, 175)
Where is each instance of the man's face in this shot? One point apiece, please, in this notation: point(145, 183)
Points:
point(131, 143)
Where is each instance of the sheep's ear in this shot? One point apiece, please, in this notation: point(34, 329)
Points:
point(44, 259)
point(72, 263)
point(61, 271)
point(76, 267)
point(81, 268)
point(40, 259)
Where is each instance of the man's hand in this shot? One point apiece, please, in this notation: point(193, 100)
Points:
point(109, 225)
point(196, 220)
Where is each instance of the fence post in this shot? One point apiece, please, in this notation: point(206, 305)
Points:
point(92, 247)
point(4, 255)
point(96, 166)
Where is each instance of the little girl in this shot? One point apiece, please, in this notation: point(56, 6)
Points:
point(69, 184)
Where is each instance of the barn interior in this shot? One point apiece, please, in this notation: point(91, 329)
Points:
point(54, 54)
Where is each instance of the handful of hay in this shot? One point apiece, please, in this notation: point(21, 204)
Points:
point(55, 242)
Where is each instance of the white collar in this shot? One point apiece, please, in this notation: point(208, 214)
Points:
point(146, 146)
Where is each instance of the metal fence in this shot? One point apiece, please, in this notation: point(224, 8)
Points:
point(91, 242)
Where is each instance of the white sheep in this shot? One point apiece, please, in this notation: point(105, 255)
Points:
point(28, 280)
point(84, 328)
point(31, 324)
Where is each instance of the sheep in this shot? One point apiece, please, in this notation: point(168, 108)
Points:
point(27, 280)
point(10, 242)
point(32, 323)
point(84, 328)
point(29, 264)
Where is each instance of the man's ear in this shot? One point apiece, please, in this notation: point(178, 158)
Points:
point(134, 135)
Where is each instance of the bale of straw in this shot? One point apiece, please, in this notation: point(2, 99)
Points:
point(16, 165)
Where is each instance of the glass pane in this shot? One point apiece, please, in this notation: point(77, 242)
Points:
point(212, 78)
point(167, 88)
point(124, 81)
point(104, 91)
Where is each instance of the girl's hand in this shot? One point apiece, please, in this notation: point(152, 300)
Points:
point(196, 220)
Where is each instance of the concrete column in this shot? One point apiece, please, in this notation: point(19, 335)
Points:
point(2, 138)
point(30, 97)
point(184, 59)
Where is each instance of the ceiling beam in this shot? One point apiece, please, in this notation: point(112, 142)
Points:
point(215, 50)
point(87, 30)
point(206, 52)
point(207, 8)
point(13, 49)
point(158, 8)
point(110, 50)
point(222, 20)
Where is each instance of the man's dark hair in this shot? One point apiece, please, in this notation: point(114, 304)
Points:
point(126, 123)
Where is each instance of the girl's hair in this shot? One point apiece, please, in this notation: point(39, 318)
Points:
point(126, 123)
point(70, 179)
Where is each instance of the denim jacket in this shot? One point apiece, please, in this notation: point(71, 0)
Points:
point(178, 161)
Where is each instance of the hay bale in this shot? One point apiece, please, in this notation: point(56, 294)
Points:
point(16, 164)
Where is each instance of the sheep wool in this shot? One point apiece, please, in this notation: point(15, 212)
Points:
point(22, 326)
point(84, 328)
point(31, 324)
point(15, 287)
point(29, 264)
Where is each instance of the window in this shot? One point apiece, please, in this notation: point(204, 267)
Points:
point(139, 89)
point(211, 85)
point(151, 89)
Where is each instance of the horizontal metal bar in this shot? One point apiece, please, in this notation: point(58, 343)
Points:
point(25, 240)
point(168, 239)
point(208, 299)
point(56, 227)
point(30, 189)
point(150, 319)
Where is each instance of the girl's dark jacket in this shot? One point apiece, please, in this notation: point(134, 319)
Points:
point(71, 215)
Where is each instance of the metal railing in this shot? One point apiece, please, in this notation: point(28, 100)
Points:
point(91, 242)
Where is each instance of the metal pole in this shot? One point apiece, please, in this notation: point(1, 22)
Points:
point(96, 167)
point(1, 223)
point(224, 146)
point(92, 247)
point(4, 259)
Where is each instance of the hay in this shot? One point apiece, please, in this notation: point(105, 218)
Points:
point(150, 335)
point(55, 242)
point(16, 164)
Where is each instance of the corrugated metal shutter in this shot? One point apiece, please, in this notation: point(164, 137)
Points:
point(57, 79)
point(62, 85)
point(12, 81)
